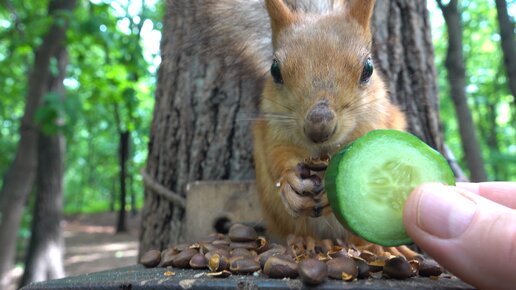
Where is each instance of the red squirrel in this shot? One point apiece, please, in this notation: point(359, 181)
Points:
point(321, 94)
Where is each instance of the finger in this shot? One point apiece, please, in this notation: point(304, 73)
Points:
point(290, 199)
point(308, 186)
point(295, 182)
point(465, 233)
point(316, 184)
point(296, 204)
point(316, 164)
point(499, 192)
point(302, 170)
point(322, 206)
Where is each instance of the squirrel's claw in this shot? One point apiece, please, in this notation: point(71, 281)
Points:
point(303, 182)
point(317, 164)
point(303, 196)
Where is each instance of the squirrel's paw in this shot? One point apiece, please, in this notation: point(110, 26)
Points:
point(317, 164)
point(302, 192)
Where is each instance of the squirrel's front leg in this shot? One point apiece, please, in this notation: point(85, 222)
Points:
point(300, 181)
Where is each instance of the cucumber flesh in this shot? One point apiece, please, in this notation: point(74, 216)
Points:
point(368, 182)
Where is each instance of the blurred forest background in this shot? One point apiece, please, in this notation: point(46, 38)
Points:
point(96, 95)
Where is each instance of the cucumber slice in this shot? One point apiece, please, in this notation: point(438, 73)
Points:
point(368, 182)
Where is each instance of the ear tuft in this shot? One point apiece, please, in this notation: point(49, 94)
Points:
point(280, 15)
point(362, 11)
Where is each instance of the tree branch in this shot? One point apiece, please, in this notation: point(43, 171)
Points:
point(440, 4)
point(159, 189)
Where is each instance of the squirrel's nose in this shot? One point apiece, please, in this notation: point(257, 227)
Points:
point(320, 122)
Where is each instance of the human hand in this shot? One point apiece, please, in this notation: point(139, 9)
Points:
point(470, 229)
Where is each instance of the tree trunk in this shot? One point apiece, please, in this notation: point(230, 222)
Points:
point(457, 80)
point(112, 196)
point(404, 52)
point(201, 125)
point(123, 156)
point(19, 178)
point(44, 258)
point(205, 102)
point(130, 182)
point(499, 172)
point(508, 46)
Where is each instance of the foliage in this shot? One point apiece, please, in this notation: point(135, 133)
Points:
point(488, 94)
point(111, 79)
point(21, 28)
point(109, 84)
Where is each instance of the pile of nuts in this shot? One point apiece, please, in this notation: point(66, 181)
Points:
point(243, 252)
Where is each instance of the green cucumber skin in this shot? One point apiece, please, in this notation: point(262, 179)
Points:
point(330, 184)
point(332, 173)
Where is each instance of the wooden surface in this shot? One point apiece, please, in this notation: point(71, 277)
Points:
point(137, 277)
point(209, 201)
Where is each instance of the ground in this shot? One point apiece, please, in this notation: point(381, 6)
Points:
point(91, 244)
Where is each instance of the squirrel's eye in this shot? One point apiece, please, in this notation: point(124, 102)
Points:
point(367, 72)
point(276, 72)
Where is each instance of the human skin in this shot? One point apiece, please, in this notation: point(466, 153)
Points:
point(470, 229)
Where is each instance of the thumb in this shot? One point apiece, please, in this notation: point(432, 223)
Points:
point(472, 237)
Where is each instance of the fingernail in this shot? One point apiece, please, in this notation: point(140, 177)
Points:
point(443, 212)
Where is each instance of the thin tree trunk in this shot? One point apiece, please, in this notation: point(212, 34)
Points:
point(19, 178)
point(134, 210)
point(491, 130)
point(124, 154)
point(44, 258)
point(492, 142)
point(508, 46)
point(457, 80)
point(112, 196)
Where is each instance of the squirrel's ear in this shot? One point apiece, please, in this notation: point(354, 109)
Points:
point(281, 16)
point(361, 11)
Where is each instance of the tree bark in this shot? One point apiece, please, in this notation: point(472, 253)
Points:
point(508, 46)
point(44, 258)
point(20, 176)
point(205, 104)
point(201, 125)
point(457, 80)
point(404, 54)
point(123, 156)
point(491, 133)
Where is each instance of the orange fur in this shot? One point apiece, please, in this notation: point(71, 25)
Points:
point(280, 16)
point(361, 11)
point(322, 58)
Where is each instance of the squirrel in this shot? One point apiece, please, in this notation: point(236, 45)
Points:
point(320, 93)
